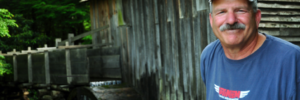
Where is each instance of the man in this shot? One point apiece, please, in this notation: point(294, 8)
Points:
point(244, 64)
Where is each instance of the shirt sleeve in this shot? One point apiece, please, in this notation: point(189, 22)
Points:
point(297, 94)
point(202, 68)
point(203, 65)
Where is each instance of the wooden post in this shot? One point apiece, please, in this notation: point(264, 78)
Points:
point(70, 36)
point(47, 67)
point(29, 65)
point(68, 65)
point(57, 40)
point(15, 65)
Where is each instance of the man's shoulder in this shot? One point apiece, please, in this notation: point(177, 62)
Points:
point(210, 48)
point(283, 45)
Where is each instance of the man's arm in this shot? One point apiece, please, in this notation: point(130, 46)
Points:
point(202, 68)
point(297, 94)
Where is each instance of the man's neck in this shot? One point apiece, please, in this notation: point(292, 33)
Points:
point(237, 53)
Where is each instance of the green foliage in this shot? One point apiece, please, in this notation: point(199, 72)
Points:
point(5, 21)
point(23, 36)
point(87, 39)
point(5, 68)
point(33, 94)
point(87, 25)
point(51, 18)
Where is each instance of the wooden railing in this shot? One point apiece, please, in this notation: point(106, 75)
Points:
point(71, 39)
point(65, 65)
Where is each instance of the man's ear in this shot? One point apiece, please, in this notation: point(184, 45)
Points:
point(258, 17)
point(210, 20)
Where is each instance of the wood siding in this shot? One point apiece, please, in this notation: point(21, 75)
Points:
point(281, 18)
point(161, 42)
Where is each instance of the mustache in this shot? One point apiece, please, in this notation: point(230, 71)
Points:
point(231, 27)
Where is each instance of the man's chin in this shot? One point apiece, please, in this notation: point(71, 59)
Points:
point(231, 43)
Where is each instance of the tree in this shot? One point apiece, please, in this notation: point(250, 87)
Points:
point(44, 18)
point(5, 21)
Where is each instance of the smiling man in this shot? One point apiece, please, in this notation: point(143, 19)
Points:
point(244, 64)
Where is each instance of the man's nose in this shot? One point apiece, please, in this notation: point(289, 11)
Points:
point(231, 18)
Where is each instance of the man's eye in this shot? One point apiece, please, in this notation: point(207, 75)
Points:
point(241, 11)
point(221, 12)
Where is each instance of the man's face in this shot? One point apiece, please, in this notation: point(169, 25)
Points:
point(236, 13)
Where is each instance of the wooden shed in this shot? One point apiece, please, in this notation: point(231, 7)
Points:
point(161, 40)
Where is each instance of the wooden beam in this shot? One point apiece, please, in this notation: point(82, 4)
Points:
point(281, 19)
point(291, 39)
point(84, 34)
point(14, 52)
point(280, 0)
point(278, 12)
point(83, 46)
point(89, 33)
point(277, 6)
point(278, 25)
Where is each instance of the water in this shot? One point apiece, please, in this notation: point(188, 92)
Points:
point(102, 83)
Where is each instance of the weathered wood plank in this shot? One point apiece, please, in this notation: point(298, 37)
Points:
point(81, 46)
point(163, 32)
point(291, 39)
point(278, 25)
point(281, 31)
point(203, 40)
point(47, 67)
point(196, 53)
point(175, 43)
point(95, 22)
point(38, 68)
point(137, 40)
point(57, 61)
point(201, 5)
point(29, 61)
point(172, 26)
point(279, 12)
point(132, 42)
point(126, 31)
point(179, 76)
point(79, 69)
point(113, 22)
point(148, 20)
point(277, 6)
point(112, 61)
point(22, 68)
point(280, 0)
point(142, 47)
point(68, 64)
point(92, 12)
point(281, 19)
point(157, 40)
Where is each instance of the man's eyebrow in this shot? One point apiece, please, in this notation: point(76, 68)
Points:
point(219, 9)
point(238, 7)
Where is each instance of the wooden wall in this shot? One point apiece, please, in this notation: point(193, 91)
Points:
point(281, 18)
point(161, 42)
